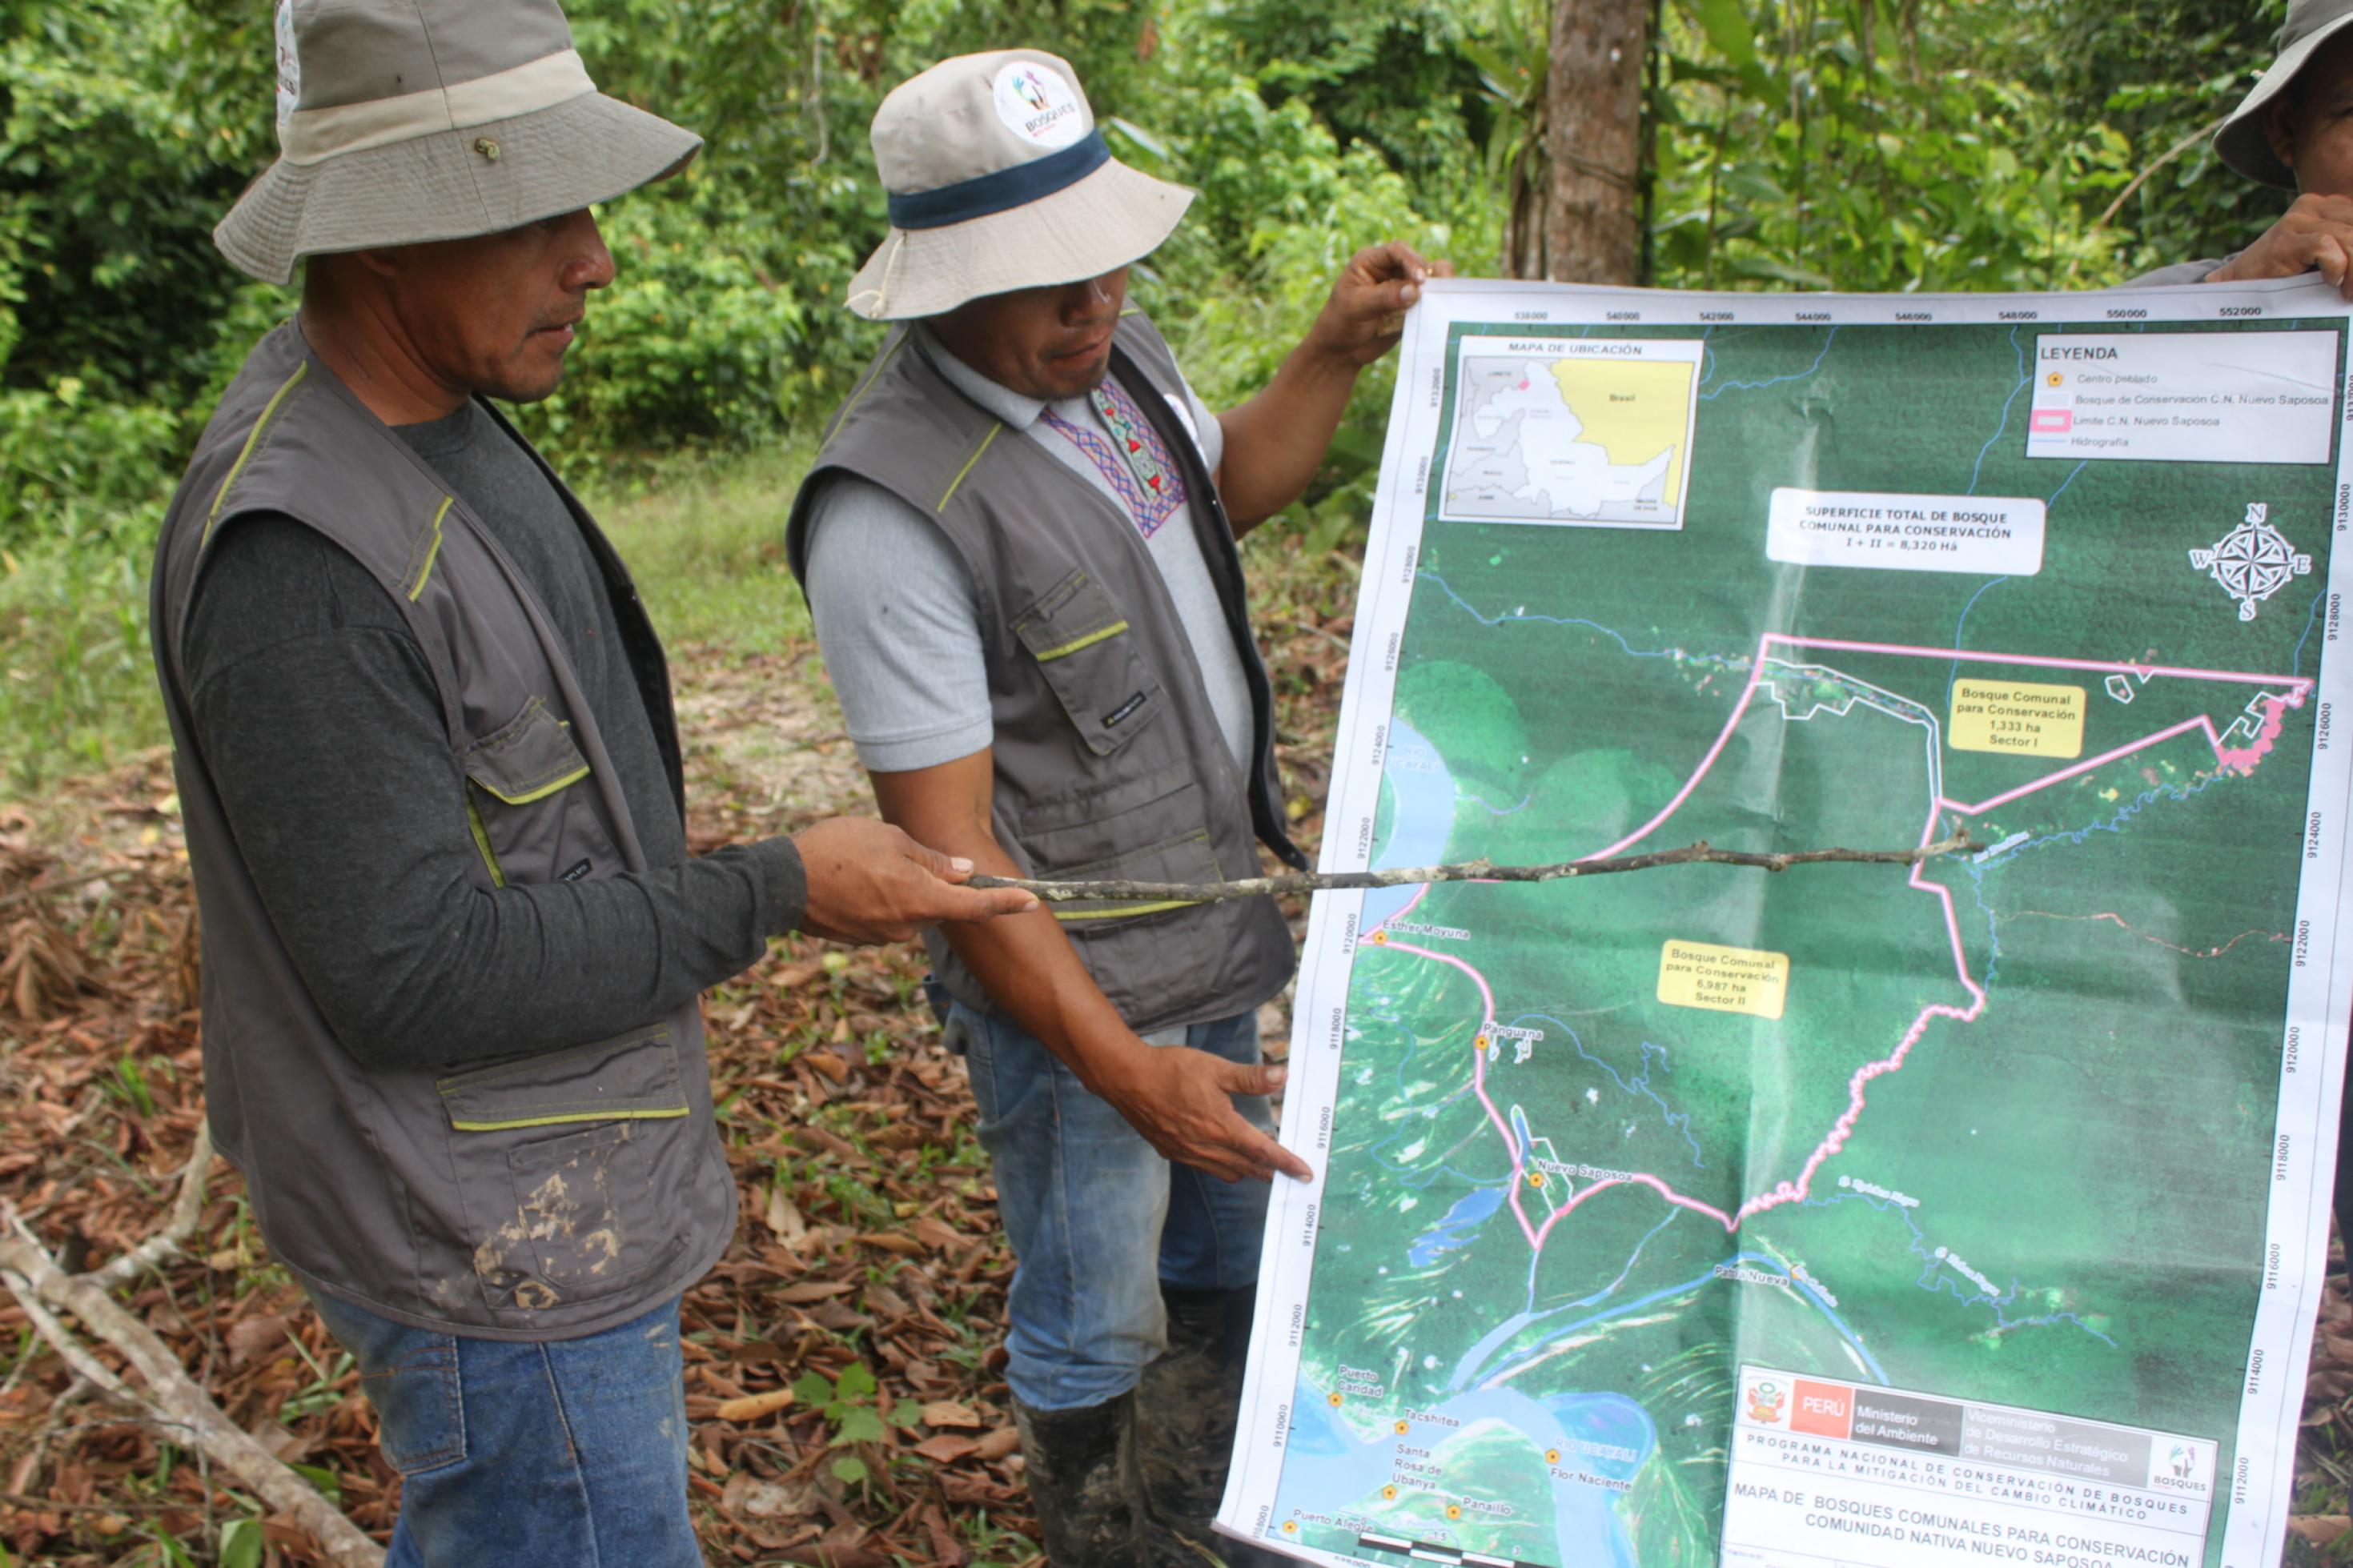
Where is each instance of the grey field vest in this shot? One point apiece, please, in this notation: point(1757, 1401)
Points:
point(1109, 762)
point(537, 1198)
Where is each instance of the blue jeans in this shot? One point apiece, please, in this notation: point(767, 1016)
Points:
point(1099, 1221)
point(570, 1454)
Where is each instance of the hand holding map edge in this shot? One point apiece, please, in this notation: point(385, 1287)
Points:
point(1365, 316)
point(2314, 235)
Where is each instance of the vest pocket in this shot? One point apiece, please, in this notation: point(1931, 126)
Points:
point(1087, 654)
point(631, 1077)
point(524, 834)
point(563, 1159)
point(1186, 859)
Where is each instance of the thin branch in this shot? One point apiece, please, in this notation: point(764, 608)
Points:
point(1700, 854)
point(2167, 156)
point(174, 1403)
point(186, 1210)
point(31, 890)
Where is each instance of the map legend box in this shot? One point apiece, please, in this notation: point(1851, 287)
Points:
point(1863, 1476)
point(2184, 398)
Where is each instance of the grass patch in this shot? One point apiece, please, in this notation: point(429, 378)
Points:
point(705, 539)
point(703, 536)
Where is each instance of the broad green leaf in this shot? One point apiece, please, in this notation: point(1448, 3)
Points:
point(859, 1424)
point(241, 1543)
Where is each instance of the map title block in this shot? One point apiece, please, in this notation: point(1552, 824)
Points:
point(1874, 1478)
point(1982, 535)
point(2184, 398)
point(1723, 979)
point(2025, 718)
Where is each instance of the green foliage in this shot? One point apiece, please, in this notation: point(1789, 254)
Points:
point(1890, 144)
point(1877, 144)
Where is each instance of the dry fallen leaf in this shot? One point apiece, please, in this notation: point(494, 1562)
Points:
point(945, 1448)
point(949, 1413)
point(2321, 1528)
point(752, 1406)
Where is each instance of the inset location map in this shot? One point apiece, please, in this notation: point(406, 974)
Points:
point(1592, 431)
point(1856, 1215)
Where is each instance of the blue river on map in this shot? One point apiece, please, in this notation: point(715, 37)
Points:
point(1327, 1467)
point(1423, 792)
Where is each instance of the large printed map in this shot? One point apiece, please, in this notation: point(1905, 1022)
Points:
point(1857, 1215)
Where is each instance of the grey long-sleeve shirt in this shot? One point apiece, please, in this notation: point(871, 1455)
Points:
point(322, 726)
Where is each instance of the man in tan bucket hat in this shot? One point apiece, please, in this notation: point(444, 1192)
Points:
point(1018, 545)
point(2293, 130)
point(430, 779)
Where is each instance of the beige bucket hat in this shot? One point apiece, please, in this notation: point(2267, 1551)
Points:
point(405, 121)
point(2241, 142)
point(999, 179)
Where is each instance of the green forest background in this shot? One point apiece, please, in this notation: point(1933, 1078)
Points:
point(1853, 144)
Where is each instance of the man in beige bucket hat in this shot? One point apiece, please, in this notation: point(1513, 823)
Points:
point(2293, 130)
point(430, 779)
point(1018, 544)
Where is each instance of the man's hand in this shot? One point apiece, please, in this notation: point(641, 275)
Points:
point(870, 883)
point(1365, 314)
point(1181, 1100)
point(2314, 235)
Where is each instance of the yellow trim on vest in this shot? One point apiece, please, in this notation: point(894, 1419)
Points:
point(431, 549)
point(1089, 640)
point(1124, 911)
point(553, 1120)
point(543, 791)
point(968, 462)
point(482, 841)
point(252, 439)
point(858, 394)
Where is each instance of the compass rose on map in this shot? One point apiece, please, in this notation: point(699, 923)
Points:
point(2251, 562)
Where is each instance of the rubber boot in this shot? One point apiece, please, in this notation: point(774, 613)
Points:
point(1086, 1483)
point(1190, 1398)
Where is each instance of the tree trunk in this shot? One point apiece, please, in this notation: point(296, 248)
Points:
point(1591, 221)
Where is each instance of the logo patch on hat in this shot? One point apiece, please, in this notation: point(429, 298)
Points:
point(1038, 104)
point(290, 70)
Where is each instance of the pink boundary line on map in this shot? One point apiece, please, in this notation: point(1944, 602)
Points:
point(2241, 760)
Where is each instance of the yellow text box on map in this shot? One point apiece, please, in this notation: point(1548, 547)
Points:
point(2021, 717)
point(1723, 979)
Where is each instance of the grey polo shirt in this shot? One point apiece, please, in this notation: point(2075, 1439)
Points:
point(900, 624)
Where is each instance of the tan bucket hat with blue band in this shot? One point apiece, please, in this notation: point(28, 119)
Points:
point(998, 179)
point(405, 121)
point(2241, 142)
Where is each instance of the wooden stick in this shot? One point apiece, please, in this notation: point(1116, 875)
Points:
point(175, 1404)
point(187, 1209)
point(1700, 854)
